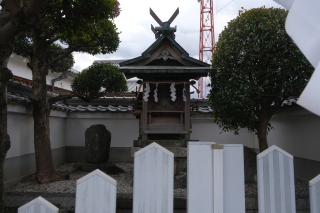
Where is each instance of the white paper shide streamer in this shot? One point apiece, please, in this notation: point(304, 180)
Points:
point(173, 92)
point(303, 26)
point(183, 91)
point(146, 92)
point(156, 93)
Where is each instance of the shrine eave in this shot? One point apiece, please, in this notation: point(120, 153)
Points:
point(165, 69)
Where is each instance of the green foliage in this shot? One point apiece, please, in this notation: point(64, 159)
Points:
point(80, 25)
point(62, 65)
point(83, 21)
point(257, 67)
point(106, 42)
point(98, 79)
point(22, 47)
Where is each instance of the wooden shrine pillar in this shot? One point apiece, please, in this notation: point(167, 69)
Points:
point(187, 109)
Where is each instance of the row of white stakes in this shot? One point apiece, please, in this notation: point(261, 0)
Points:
point(215, 183)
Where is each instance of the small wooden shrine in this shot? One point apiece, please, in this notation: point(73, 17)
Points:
point(163, 105)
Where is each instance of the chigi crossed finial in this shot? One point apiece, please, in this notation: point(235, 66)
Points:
point(164, 28)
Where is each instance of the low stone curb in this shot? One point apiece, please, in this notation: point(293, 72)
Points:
point(66, 202)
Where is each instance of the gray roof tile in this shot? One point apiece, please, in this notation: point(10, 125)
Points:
point(19, 93)
point(73, 72)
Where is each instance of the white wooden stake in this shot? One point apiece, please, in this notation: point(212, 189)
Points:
point(38, 205)
point(205, 177)
point(233, 179)
point(314, 191)
point(217, 157)
point(276, 193)
point(96, 192)
point(153, 180)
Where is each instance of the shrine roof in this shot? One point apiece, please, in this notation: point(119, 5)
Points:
point(165, 69)
point(164, 42)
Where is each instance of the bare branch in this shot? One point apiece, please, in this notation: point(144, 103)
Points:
point(5, 16)
point(255, 126)
point(96, 96)
point(8, 32)
point(57, 15)
point(12, 6)
point(65, 97)
point(44, 11)
point(75, 95)
point(61, 97)
point(56, 52)
point(53, 39)
point(65, 54)
point(31, 99)
point(33, 7)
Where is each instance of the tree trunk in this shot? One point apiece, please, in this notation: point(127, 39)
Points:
point(46, 171)
point(263, 118)
point(5, 75)
point(41, 112)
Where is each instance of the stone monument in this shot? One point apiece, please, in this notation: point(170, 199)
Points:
point(97, 148)
point(97, 144)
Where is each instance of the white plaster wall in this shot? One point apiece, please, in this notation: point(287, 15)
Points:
point(20, 130)
point(204, 129)
point(297, 132)
point(57, 132)
point(18, 66)
point(124, 127)
point(63, 84)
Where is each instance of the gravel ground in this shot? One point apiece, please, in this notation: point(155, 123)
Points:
point(301, 188)
point(125, 182)
point(31, 185)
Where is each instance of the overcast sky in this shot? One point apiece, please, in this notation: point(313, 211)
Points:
point(135, 20)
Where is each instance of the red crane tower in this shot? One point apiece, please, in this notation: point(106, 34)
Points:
point(207, 41)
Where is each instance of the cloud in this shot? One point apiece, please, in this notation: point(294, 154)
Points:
point(83, 60)
point(135, 22)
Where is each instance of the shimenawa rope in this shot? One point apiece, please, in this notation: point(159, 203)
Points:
point(165, 82)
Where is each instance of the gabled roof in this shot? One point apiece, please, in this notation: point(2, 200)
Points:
point(147, 53)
